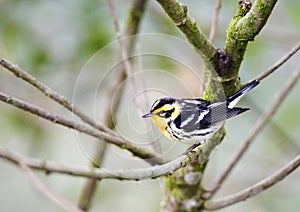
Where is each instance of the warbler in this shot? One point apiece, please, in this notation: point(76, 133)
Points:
point(194, 121)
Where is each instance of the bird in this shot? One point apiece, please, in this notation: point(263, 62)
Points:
point(195, 120)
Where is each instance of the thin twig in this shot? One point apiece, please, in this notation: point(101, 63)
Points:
point(126, 62)
point(62, 100)
point(215, 21)
point(134, 18)
point(151, 157)
point(255, 189)
point(125, 57)
point(129, 174)
point(259, 126)
point(135, 15)
point(123, 44)
point(90, 185)
point(280, 62)
point(54, 197)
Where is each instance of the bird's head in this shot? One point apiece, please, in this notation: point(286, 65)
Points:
point(163, 111)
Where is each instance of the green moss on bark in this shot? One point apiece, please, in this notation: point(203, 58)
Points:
point(245, 25)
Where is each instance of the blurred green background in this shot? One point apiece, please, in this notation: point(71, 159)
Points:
point(71, 46)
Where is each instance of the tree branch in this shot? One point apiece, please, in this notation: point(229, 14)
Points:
point(90, 185)
point(259, 126)
point(124, 51)
point(255, 189)
point(132, 25)
point(279, 62)
point(185, 184)
point(226, 63)
point(96, 173)
point(244, 26)
point(150, 157)
point(215, 21)
point(18, 72)
point(57, 199)
point(188, 26)
point(251, 24)
point(125, 56)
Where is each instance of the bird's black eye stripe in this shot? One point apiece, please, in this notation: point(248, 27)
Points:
point(166, 113)
point(169, 113)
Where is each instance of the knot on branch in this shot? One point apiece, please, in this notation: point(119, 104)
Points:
point(222, 63)
point(244, 7)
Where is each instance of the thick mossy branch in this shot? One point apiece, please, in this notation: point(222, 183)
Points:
point(183, 188)
point(252, 23)
point(221, 77)
point(178, 13)
point(244, 26)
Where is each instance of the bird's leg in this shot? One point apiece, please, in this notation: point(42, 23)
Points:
point(191, 148)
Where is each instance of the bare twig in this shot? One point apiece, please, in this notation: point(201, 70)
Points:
point(125, 47)
point(54, 197)
point(279, 62)
point(260, 124)
point(135, 15)
point(129, 174)
point(255, 189)
point(151, 157)
point(215, 21)
point(125, 56)
point(134, 18)
point(18, 72)
point(89, 187)
point(124, 52)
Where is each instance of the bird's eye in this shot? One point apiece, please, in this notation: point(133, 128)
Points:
point(166, 114)
point(162, 113)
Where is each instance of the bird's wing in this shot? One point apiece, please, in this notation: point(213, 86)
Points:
point(202, 117)
point(219, 112)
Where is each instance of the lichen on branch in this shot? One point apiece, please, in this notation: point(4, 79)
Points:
point(244, 26)
point(179, 15)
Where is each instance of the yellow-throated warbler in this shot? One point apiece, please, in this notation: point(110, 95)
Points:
point(193, 121)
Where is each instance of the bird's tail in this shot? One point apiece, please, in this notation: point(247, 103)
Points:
point(235, 98)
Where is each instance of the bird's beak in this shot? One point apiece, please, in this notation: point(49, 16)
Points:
point(147, 115)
